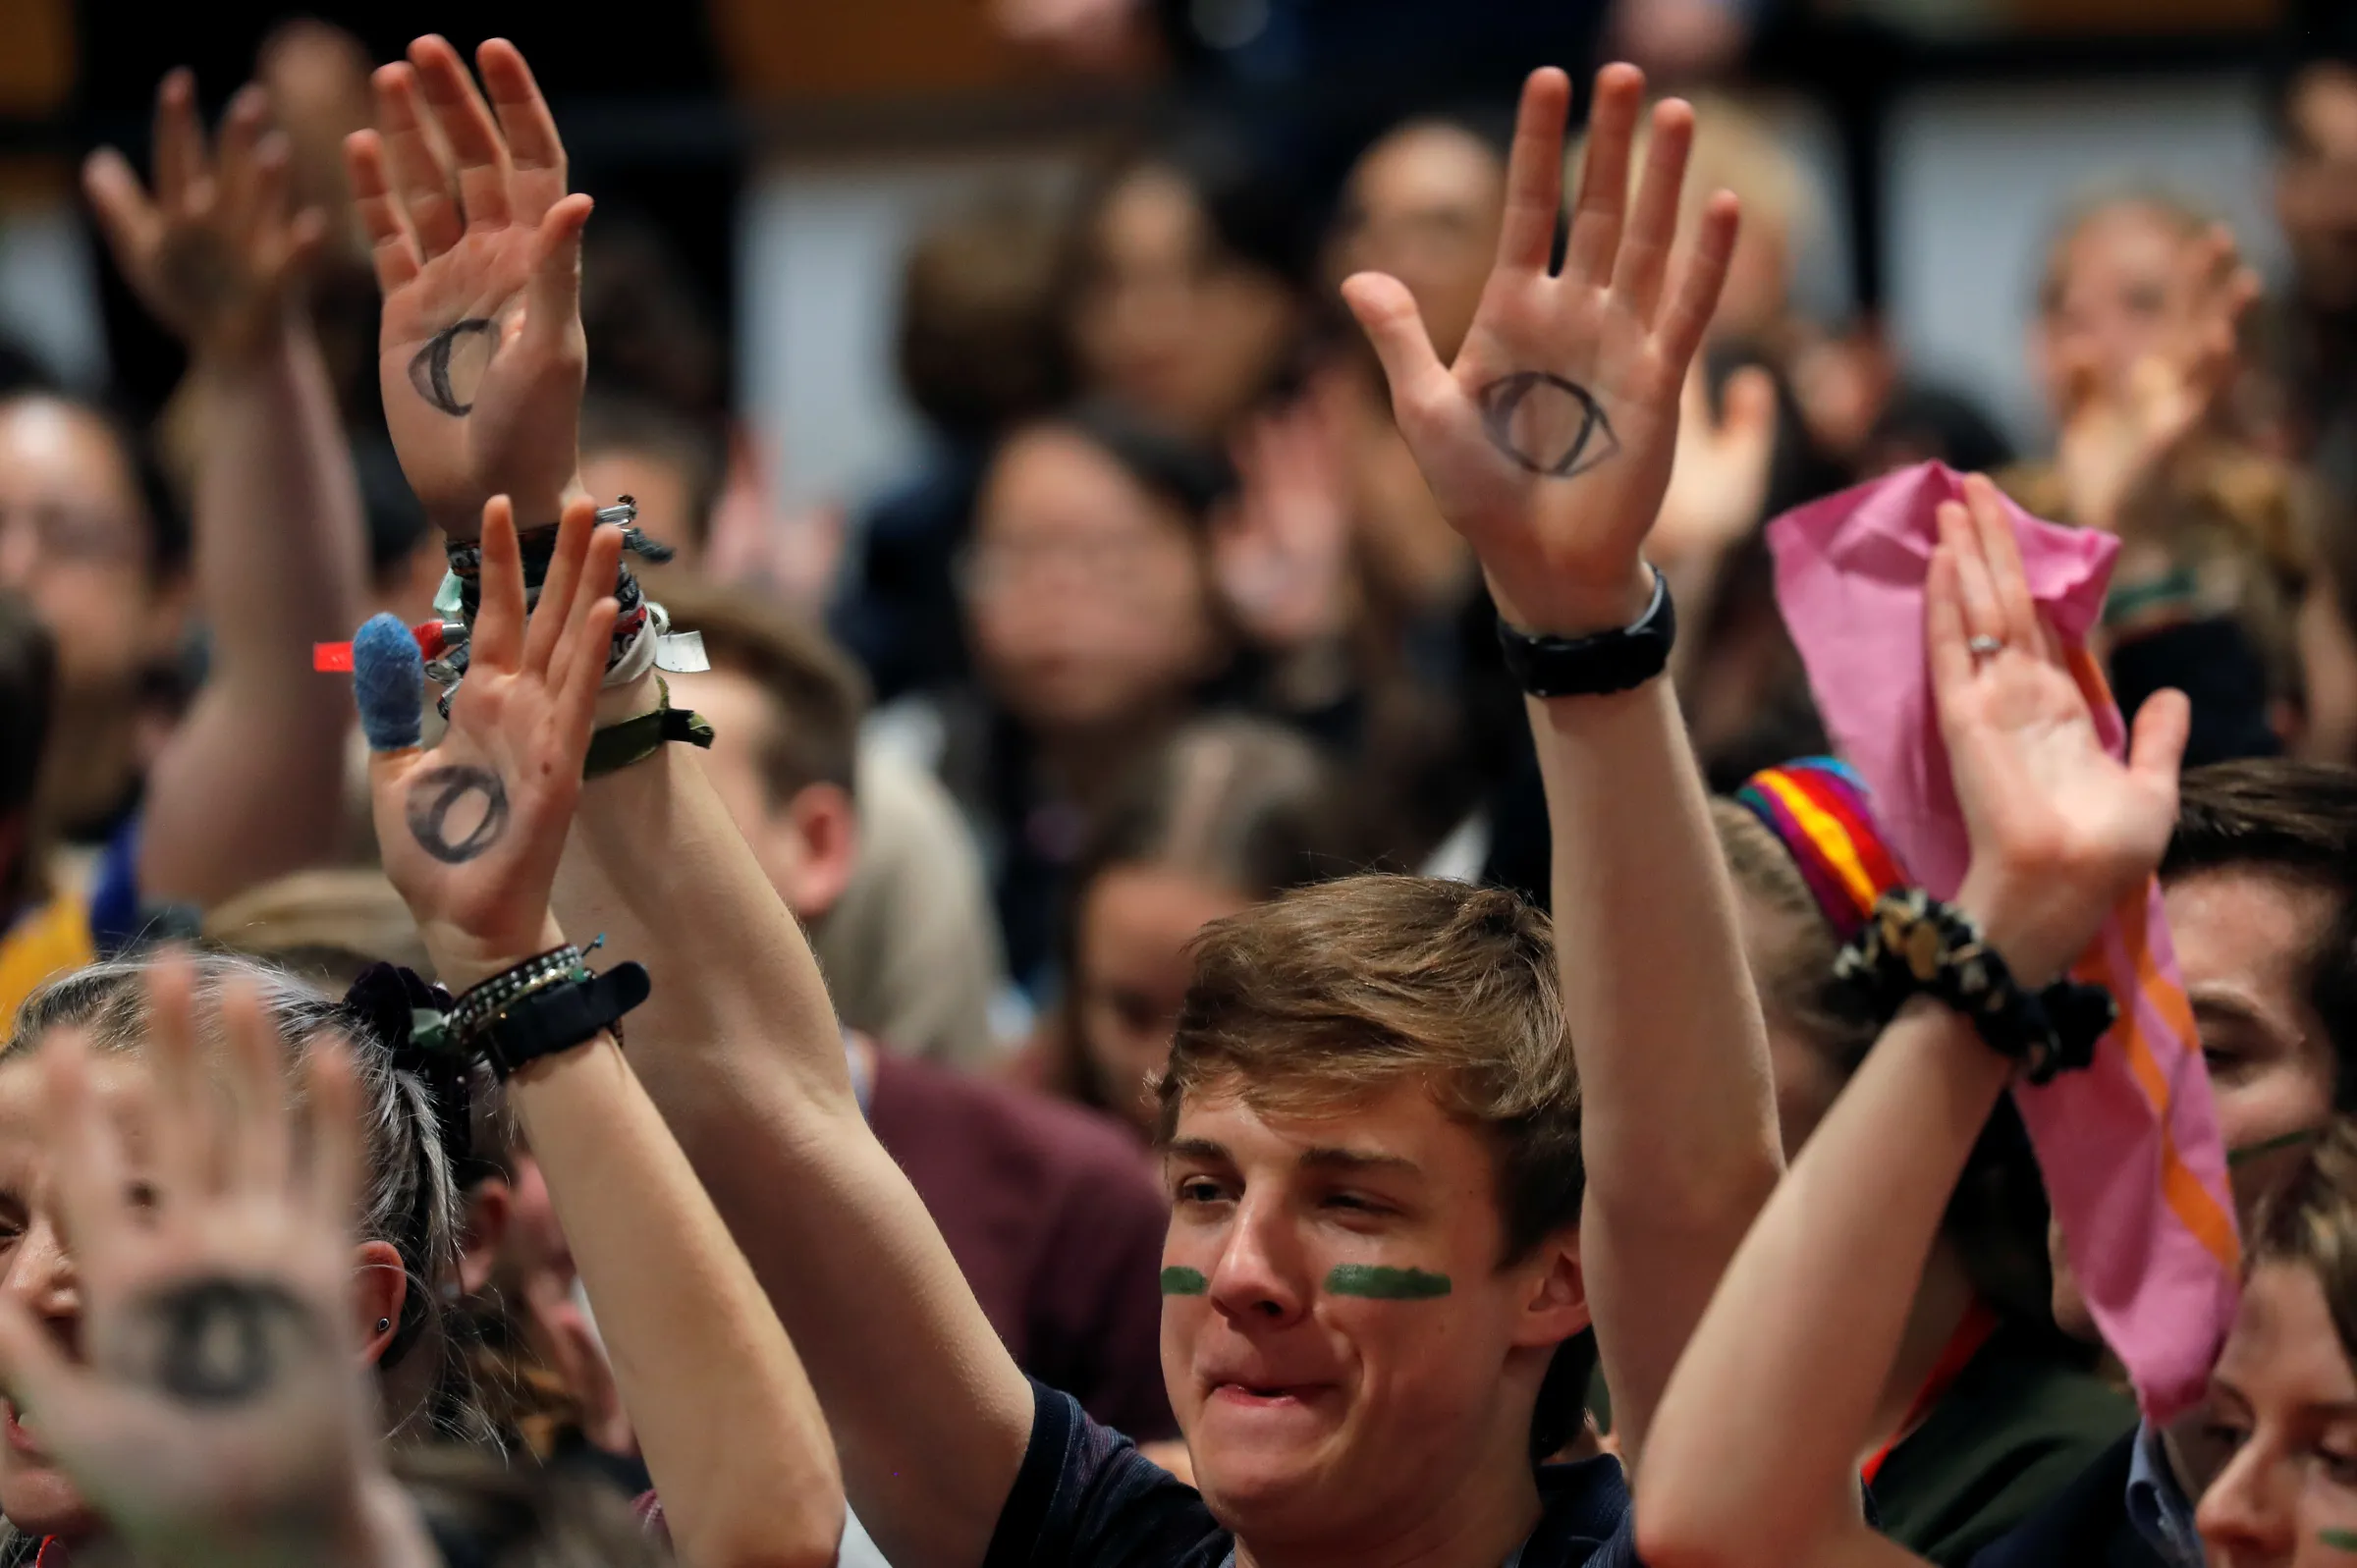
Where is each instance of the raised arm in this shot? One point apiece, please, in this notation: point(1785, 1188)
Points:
point(738, 1046)
point(2059, 832)
point(1548, 445)
point(471, 831)
point(251, 784)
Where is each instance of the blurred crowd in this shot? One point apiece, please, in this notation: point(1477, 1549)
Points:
point(1169, 623)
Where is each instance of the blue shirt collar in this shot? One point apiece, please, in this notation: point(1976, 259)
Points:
point(2158, 1505)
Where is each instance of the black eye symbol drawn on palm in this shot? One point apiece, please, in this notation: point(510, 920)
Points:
point(1550, 426)
point(470, 342)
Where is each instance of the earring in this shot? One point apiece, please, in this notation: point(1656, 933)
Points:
point(383, 1324)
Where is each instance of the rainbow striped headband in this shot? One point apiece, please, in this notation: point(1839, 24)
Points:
point(1817, 809)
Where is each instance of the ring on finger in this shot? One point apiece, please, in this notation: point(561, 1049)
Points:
point(1985, 646)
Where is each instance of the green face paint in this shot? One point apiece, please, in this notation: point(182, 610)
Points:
point(2338, 1540)
point(1385, 1284)
point(1183, 1283)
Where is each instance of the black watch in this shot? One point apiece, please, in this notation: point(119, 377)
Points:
point(1592, 665)
point(561, 1016)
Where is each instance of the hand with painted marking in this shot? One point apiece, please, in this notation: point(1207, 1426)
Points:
point(471, 831)
point(1547, 443)
point(478, 248)
point(217, 1408)
point(214, 253)
point(2060, 828)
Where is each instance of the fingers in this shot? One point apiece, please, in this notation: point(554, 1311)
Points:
point(133, 225)
point(392, 244)
point(1975, 593)
point(2157, 741)
point(239, 174)
point(179, 149)
point(42, 1382)
point(1604, 175)
point(580, 660)
point(498, 638)
point(1388, 314)
point(466, 122)
point(183, 1143)
point(1534, 173)
point(534, 151)
point(331, 1102)
point(552, 314)
point(1692, 307)
point(554, 608)
point(1644, 259)
point(420, 174)
point(1945, 642)
point(257, 1160)
point(92, 1180)
point(2009, 579)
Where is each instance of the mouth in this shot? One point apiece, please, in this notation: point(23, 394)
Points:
point(1264, 1397)
point(20, 1438)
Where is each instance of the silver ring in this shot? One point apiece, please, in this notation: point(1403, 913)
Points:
point(1986, 646)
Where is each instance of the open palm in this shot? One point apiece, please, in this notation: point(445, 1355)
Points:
point(1548, 444)
point(472, 829)
point(2060, 828)
point(480, 353)
point(222, 1398)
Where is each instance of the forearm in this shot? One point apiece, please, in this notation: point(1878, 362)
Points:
point(1678, 1126)
point(1852, 1223)
point(252, 786)
point(725, 1419)
point(739, 1049)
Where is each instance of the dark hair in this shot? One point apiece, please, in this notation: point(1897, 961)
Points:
point(618, 418)
point(2297, 820)
point(979, 345)
point(649, 326)
point(1242, 801)
point(1326, 993)
point(2313, 33)
point(1172, 471)
point(160, 514)
point(1256, 212)
point(521, 1515)
point(816, 694)
point(28, 694)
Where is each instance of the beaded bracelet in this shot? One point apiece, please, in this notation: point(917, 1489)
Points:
point(480, 1002)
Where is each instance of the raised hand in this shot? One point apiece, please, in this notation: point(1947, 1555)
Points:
point(2061, 830)
point(220, 1411)
point(2115, 433)
point(471, 831)
point(1283, 546)
point(1547, 443)
point(1719, 477)
point(214, 253)
point(477, 250)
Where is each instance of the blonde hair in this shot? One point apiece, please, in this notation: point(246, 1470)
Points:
point(2313, 1220)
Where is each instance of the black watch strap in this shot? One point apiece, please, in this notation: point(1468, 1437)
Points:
point(561, 1017)
point(1594, 666)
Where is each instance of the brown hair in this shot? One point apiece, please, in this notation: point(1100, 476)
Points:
point(980, 345)
point(816, 693)
point(326, 925)
point(1242, 802)
point(619, 420)
point(2313, 1220)
point(2178, 212)
point(1327, 992)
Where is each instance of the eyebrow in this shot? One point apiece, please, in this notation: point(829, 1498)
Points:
point(1201, 1148)
point(1330, 1159)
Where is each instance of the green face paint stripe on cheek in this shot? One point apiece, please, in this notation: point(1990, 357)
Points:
point(1386, 1284)
point(1183, 1283)
point(2288, 1140)
point(2338, 1540)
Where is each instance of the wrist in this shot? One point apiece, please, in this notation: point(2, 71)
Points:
point(1574, 610)
point(461, 961)
point(2033, 952)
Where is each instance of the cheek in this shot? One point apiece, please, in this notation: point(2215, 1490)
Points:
point(40, 1501)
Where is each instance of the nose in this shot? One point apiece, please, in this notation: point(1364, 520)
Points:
point(2247, 1516)
point(1258, 1279)
point(41, 1274)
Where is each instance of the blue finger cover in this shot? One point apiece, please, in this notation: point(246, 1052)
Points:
point(388, 680)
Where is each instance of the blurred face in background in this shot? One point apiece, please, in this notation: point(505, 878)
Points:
point(1166, 321)
point(1135, 922)
point(2284, 1403)
point(664, 491)
point(1424, 205)
point(2109, 290)
point(2316, 184)
point(1087, 594)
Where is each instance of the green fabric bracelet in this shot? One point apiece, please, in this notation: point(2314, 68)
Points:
point(633, 741)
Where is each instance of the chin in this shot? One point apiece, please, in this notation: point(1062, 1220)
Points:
point(40, 1501)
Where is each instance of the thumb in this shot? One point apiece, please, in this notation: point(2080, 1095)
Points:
point(1387, 313)
point(131, 221)
point(553, 299)
point(388, 682)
